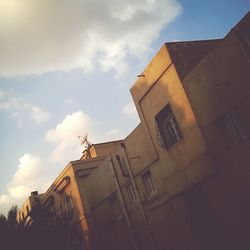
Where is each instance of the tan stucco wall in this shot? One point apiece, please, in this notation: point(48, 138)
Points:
point(203, 164)
point(217, 85)
point(216, 88)
point(30, 202)
point(174, 170)
point(187, 162)
point(79, 219)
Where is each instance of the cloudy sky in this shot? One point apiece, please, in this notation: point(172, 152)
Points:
point(66, 67)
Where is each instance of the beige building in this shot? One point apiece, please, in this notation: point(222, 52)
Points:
point(180, 179)
point(67, 196)
point(23, 214)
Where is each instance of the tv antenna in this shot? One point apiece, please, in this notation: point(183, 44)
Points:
point(84, 140)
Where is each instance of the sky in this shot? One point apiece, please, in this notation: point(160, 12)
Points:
point(66, 67)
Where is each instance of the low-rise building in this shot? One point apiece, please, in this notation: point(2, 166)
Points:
point(66, 197)
point(180, 179)
point(23, 214)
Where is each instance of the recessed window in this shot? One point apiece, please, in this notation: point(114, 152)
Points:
point(69, 207)
point(131, 193)
point(148, 183)
point(27, 209)
point(122, 165)
point(21, 217)
point(115, 207)
point(167, 130)
point(235, 127)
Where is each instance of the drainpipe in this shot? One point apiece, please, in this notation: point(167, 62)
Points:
point(114, 174)
point(143, 213)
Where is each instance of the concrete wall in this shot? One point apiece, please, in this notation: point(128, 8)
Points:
point(201, 201)
point(173, 171)
point(71, 189)
point(219, 84)
point(28, 205)
point(186, 162)
point(202, 181)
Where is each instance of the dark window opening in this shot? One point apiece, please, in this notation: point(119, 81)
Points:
point(69, 207)
point(235, 126)
point(167, 130)
point(115, 207)
point(131, 193)
point(149, 183)
point(122, 165)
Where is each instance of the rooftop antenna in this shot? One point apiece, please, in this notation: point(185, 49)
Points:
point(84, 140)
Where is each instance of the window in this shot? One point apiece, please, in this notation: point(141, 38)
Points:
point(115, 207)
point(69, 207)
point(235, 127)
point(131, 193)
point(122, 165)
point(20, 216)
point(148, 183)
point(244, 37)
point(27, 209)
point(167, 129)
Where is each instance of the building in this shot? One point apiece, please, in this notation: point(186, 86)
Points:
point(32, 201)
point(66, 197)
point(180, 179)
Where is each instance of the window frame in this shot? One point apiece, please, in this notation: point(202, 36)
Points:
point(69, 206)
point(168, 132)
point(235, 126)
point(122, 165)
point(149, 183)
point(115, 207)
point(27, 209)
point(133, 198)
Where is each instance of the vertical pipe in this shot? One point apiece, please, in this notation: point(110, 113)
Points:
point(145, 219)
point(113, 171)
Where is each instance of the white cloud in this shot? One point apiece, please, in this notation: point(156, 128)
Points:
point(71, 125)
point(30, 175)
point(65, 136)
point(129, 109)
point(32, 172)
point(37, 114)
point(39, 36)
point(21, 110)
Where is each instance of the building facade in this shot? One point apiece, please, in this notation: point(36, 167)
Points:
point(23, 215)
point(180, 179)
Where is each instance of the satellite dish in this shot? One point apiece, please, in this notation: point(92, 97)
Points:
point(84, 140)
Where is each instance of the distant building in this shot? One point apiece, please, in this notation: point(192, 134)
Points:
point(23, 214)
point(180, 179)
point(67, 194)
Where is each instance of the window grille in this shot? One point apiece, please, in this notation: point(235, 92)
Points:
point(115, 207)
point(167, 130)
point(122, 165)
point(235, 127)
point(69, 207)
point(131, 193)
point(149, 183)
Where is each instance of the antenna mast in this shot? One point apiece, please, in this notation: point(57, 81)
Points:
point(86, 143)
